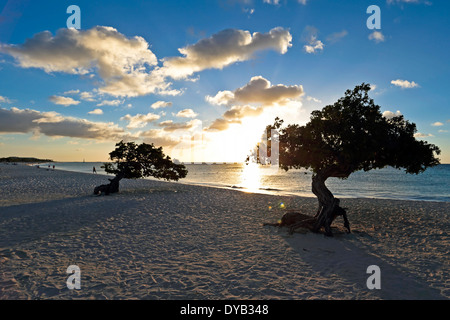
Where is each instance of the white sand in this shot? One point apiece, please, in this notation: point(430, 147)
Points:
point(159, 240)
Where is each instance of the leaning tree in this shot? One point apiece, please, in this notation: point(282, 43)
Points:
point(348, 136)
point(133, 161)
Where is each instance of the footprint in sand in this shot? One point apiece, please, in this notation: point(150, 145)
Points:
point(21, 254)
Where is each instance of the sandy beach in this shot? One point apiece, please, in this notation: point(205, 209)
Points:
point(161, 240)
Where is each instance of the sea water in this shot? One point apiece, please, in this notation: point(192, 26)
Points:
point(386, 183)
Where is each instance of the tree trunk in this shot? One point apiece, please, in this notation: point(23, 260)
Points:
point(112, 187)
point(329, 207)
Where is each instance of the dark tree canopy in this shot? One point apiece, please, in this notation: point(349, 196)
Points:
point(350, 135)
point(133, 161)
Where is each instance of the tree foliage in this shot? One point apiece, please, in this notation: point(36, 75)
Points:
point(351, 135)
point(133, 161)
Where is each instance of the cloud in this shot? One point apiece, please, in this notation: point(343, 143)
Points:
point(55, 125)
point(63, 101)
point(442, 131)
point(110, 103)
point(4, 99)
point(258, 90)
point(310, 35)
point(313, 46)
point(336, 36)
point(170, 126)
point(221, 124)
point(72, 92)
point(251, 100)
point(87, 96)
point(437, 124)
point(313, 99)
point(186, 113)
point(161, 104)
point(224, 48)
point(376, 36)
point(405, 84)
point(159, 138)
point(139, 120)
point(239, 112)
point(120, 62)
point(96, 111)
point(422, 135)
point(126, 67)
point(390, 114)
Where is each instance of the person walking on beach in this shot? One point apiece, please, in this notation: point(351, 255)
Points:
point(93, 170)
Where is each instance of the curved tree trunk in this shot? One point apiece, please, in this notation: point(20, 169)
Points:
point(329, 207)
point(112, 187)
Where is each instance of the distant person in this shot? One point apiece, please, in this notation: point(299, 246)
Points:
point(93, 170)
point(53, 167)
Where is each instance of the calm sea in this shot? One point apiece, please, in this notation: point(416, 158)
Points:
point(387, 183)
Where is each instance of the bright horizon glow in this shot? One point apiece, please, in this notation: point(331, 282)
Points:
point(149, 73)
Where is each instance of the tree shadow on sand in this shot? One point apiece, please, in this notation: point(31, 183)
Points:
point(346, 256)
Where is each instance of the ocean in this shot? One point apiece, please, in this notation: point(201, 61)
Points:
point(387, 183)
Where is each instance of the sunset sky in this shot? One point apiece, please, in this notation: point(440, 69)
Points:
point(203, 78)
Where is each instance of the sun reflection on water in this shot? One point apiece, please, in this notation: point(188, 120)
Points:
point(251, 177)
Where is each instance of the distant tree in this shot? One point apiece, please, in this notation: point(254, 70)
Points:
point(348, 136)
point(133, 161)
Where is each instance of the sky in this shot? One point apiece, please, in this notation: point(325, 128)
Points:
point(202, 79)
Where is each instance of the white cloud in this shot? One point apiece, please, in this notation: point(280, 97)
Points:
point(389, 114)
point(376, 36)
point(313, 46)
point(96, 111)
point(422, 135)
point(252, 100)
point(110, 103)
point(4, 99)
point(127, 67)
point(258, 90)
point(63, 101)
point(337, 36)
point(313, 99)
point(161, 104)
point(437, 124)
point(87, 96)
point(121, 62)
point(224, 48)
point(405, 84)
point(139, 120)
point(186, 113)
point(310, 35)
point(76, 91)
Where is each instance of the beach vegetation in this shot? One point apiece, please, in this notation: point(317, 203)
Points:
point(135, 161)
point(350, 135)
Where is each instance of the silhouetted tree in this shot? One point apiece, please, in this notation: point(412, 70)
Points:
point(348, 136)
point(132, 161)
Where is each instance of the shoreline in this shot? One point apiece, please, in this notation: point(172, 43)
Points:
point(267, 191)
point(168, 240)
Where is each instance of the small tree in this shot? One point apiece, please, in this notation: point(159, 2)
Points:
point(132, 161)
point(348, 136)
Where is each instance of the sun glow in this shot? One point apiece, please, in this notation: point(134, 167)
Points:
point(251, 177)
